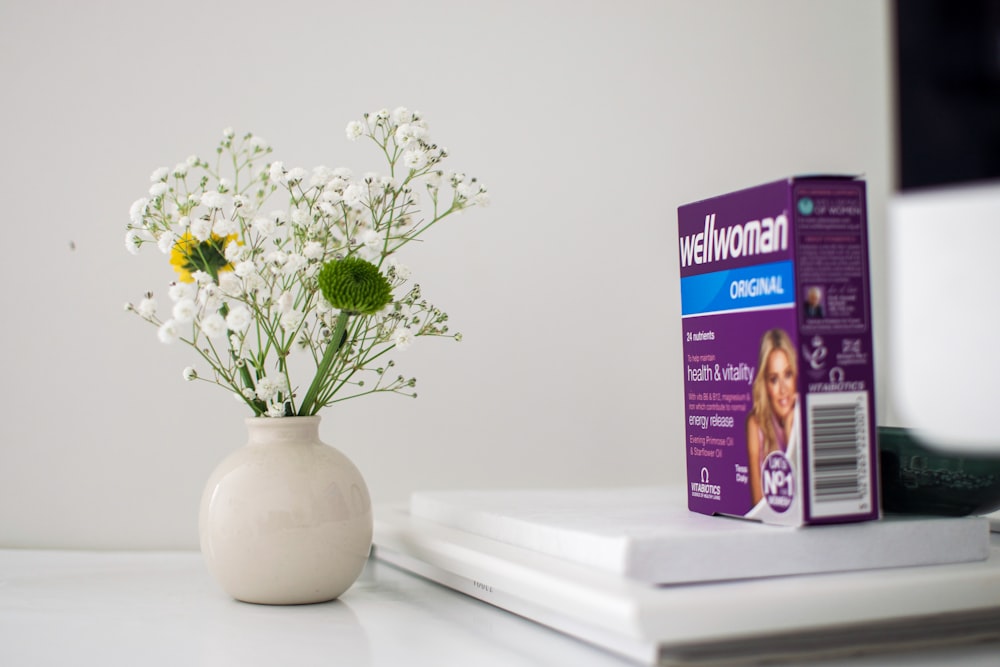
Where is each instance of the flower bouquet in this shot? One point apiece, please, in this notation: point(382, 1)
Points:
point(316, 272)
point(279, 270)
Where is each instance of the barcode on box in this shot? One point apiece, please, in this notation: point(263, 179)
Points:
point(839, 453)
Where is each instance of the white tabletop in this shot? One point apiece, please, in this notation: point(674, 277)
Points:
point(100, 608)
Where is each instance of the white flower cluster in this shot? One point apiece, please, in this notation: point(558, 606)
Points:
point(247, 291)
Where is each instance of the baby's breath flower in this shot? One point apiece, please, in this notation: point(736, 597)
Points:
point(254, 282)
point(276, 171)
point(146, 308)
point(201, 229)
point(167, 241)
point(355, 130)
point(245, 268)
point(225, 227)
point(213, 325)
point(201, 277)
point(213, 200)
point(168, 333)
point(230, 284)
point(320, 176)
point(269, 386)
point(178, 291)
point(398, 270)
point(402, 115)
point(371, 240)
point(138, 210)
point(185, 310)
point(402, 338)
point(409, 133)
point(285, 302)
point(415, 159)
point(313, 250)
point(132, 241)
point(291, 319)
point(355, 195)
point(265, 226)
point(276, 258)
point(210, 297)
point(190, 374)
point(300, 217)
point(466, 190)
point(158, 189)
point(433, 180)
point(239, 319)
point(233, 251)
point(294, 263)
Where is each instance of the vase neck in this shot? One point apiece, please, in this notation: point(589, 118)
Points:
point(282, 430)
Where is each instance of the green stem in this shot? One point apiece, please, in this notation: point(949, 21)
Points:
point(244, 372)
point(342, 371)
point(344, 380)
point(308, 405)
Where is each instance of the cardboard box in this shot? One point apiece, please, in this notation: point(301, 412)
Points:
point(778, 369)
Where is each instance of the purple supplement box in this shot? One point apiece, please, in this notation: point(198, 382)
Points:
point(778, 371)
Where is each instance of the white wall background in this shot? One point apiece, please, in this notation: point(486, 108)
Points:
point(590, 121)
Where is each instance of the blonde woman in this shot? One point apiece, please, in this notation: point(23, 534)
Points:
point(771, 423)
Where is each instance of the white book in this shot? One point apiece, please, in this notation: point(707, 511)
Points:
point(649, 535)
point(755, 619)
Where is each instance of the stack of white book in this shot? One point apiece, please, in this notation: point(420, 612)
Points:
point(634, 572)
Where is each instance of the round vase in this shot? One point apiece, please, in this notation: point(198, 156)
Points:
point(286, 519)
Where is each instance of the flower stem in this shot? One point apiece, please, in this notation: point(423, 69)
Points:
point(255, 405)
point(308, 407)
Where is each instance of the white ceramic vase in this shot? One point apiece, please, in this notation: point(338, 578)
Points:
point(286, 519)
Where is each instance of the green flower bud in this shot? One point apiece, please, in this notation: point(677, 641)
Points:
point(354, 286)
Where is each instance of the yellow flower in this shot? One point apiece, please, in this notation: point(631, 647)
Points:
point(189, 255)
